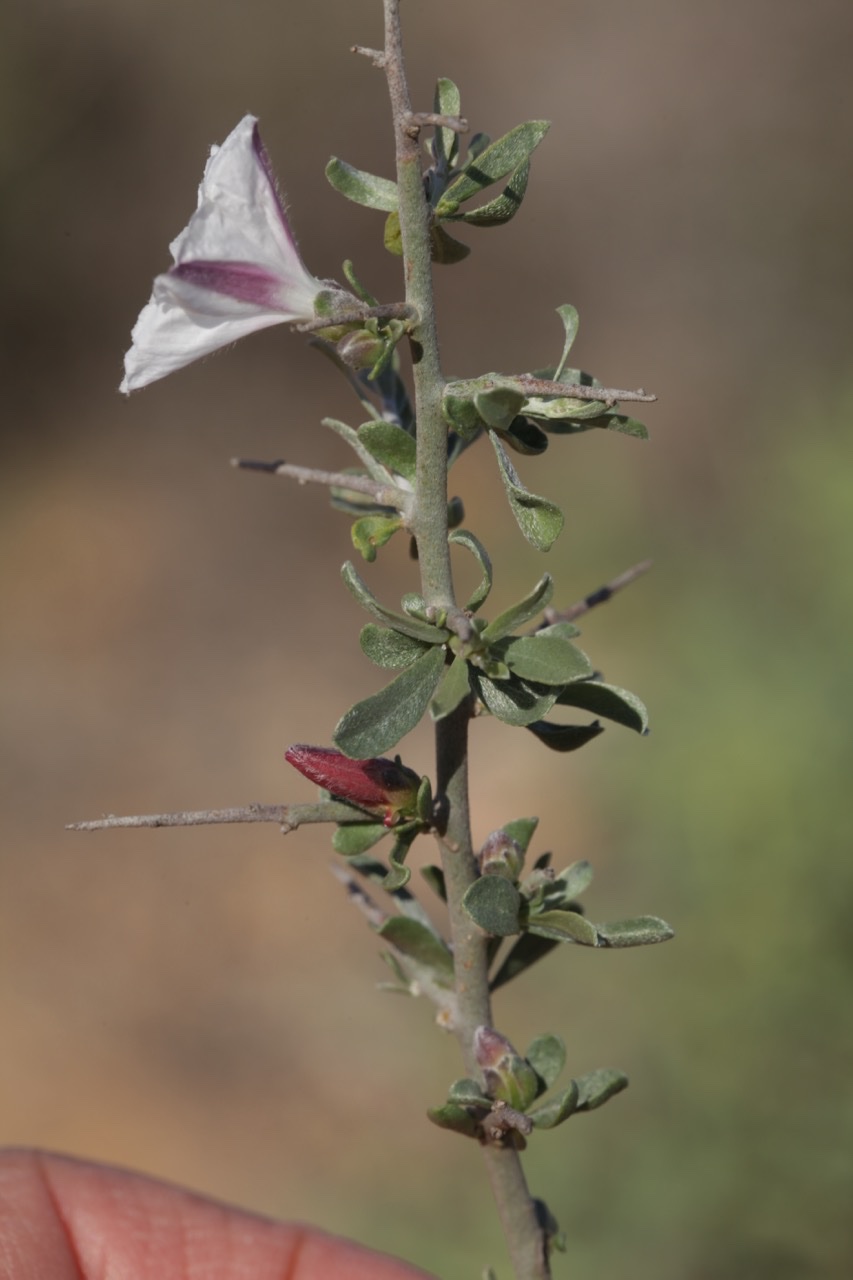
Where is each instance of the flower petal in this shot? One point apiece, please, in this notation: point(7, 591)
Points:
point(237, 267)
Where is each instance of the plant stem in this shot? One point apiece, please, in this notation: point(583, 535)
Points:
point(429, 523)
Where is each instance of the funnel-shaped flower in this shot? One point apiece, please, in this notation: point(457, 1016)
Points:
point(237, 268)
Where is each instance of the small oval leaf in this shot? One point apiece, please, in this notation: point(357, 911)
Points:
point(564, 926)
point(641, 932)
point(516, 616)
point(389, 649)
point(380, 721)
point(455, 685)
point(414, 940)
point(550, 1114)
point(547, 1056)
point(545, 659)
point(493, 904)
point(596, 1087)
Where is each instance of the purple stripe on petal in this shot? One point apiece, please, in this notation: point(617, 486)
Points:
point(241, 280)
point(264, 161)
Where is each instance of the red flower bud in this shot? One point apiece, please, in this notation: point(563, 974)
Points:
point(381, 786)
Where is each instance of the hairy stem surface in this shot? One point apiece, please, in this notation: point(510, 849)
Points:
point(429, 523)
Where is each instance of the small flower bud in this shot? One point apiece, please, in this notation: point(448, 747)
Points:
point(507, 1075)
point(360, 349)
point(501, 856)
point(381, 786)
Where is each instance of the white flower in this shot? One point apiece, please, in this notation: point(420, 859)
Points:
point(237, 268)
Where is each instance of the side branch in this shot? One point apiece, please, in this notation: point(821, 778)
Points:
point(385, 495)
point(288, 817)
point(600, 596)
point(578, 390)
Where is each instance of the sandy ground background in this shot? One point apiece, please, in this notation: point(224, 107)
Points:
point(201, 1004)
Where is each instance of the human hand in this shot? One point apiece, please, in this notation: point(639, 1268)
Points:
point(65, 1219)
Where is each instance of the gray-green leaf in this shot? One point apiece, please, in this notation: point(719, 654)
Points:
point(511, 700)
point(538, 519)
point(354, 838)
point(554, 1112)
point(363, 188)
point(545, 659)
point(490, 165)
point(517, 614)
point(373, 726)
point(420, 944)
point(565, 737)
point(641, 932)
point(564, 926)
point(412, 627)
point(464, 538)
point(504, 207)
point(389, 649)
point(390, 445)
point(547, 1056)
point(607, 700)
point(597, 1086)
point(493, 903)
point(455, 685)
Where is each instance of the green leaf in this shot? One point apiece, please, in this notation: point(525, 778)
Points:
point(545, 659)
point(564, 737)
point(376, 872)
point(503, 207)
point(419, 943)
point(641, 932)
point(358, 288)
point(511, 700)
point(558, 1109)
point(446, 102)
point(444, 249)
point(468, 1093)
point(493, 903)
point(451, 1116)
point(574, 881)
point(538, 519)
point(363, 188)
point(607, 700)
point(498, 406)
point(597, 1086)
point(521, 831)
point(524, 437)
point(526, 951)
point(373, 726)
point(463, 538)
point(455, 685)
point(389, 649)
point(393, 236)
point(411, 627)
point(399, 875)
point(547, 1056)
point(375, 469)
point(434, 877)
point(371, 532)
point(571, 320)
point(564, 926)
point(460, 414)
point(516, 616)
point(354, 838)
point(493, 163)
point(390, 445)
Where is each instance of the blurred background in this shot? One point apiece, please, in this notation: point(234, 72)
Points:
point(200, 1004)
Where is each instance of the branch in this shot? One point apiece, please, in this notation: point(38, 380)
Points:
point(597, 597)
point(384, 311)
point(578, 390)
point(288, 816)
point(385, 495)
point(434, 119)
